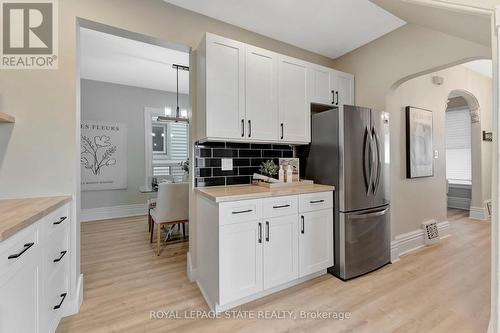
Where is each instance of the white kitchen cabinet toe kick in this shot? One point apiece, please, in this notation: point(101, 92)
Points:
point(248, 249)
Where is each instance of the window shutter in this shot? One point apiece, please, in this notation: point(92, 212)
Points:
point(458, 146)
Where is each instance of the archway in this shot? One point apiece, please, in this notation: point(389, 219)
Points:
point(463, 157)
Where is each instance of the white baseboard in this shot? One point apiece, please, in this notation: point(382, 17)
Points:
point(460, 203)
point(478, 213)
point(413, 240)
point(191, 272)
point(105, 213)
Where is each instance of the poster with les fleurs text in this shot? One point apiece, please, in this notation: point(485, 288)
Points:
point(103, 156)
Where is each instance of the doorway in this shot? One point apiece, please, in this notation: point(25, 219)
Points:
point(462, 152)
point(134, 115)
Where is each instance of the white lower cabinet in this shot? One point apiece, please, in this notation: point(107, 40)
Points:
point(315, 241)
point(281, 253)
point(240, 260)
point(274, 250)
point(19, 301)
point(34, 275)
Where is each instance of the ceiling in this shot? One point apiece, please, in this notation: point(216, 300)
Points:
point(484, 67)
point(472, 27)
point(113, 59)
point(327, 27)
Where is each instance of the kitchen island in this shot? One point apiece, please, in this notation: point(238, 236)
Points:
point(253, 241)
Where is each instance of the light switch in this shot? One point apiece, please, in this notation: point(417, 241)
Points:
point(436, 154)
point(227, 164)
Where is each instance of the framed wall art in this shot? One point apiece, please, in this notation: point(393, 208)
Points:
point(419, 144)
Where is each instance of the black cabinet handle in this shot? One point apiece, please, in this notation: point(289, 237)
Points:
point(282, 206)
point(249, 128)
point(333, 96)
point(61, 220)
point(267, 231)
point(62, 301)
point(63, 253)
point(242, 128)
point(260, 232)
point(17, 255)
point(316, 201)
point(302, 229)
point(242, 211)
point(282, 131)
point(337, 93)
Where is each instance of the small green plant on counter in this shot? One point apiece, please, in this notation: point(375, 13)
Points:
point(185, 165)
point(269, 168)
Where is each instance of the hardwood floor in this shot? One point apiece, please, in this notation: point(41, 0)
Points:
point(443, 288)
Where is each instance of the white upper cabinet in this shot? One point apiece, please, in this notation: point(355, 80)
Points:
point(225, 87)
point(249, 94)
point(343, 86)
point(261, 95)
point(293, 105)
point(321, 84)
point(330, 87)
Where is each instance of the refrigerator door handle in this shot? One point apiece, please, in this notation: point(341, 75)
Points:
point(367, 155)
point(378, 162)
point(368, 215)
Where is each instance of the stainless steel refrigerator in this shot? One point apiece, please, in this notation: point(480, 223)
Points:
point(350, 150)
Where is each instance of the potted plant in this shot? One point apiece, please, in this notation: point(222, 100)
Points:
point(185, 167)
point(269, 169)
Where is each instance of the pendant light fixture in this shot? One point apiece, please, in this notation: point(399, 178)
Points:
point(177, 118)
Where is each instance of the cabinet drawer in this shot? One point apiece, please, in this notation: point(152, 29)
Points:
point(56, 296)
point(240, 211)
point(279, 206)
point(315, 201)
point(56, 219)
point(56, 252)
point(17, 249)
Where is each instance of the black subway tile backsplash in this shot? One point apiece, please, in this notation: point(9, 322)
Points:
point(240, 145)
point(250, 153)
point(237, 162)
point(218, 172)
point(238, 180)
point(272, 153)
point(247, 159)
point(223, 152)
point(213, 181)
point(261, 146)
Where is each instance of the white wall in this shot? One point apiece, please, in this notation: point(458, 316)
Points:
point(416, 200)
point(119, 103)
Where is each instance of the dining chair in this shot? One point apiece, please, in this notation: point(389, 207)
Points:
point(152, 201)
point(171, 208)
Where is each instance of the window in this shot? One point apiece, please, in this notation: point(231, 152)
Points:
point(167, 145)
point(159, 137)
point(458, 147)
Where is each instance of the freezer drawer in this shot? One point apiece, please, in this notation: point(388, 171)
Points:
point(364, 241)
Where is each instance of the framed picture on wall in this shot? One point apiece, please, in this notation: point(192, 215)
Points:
point(103, 155)
point(419, 149)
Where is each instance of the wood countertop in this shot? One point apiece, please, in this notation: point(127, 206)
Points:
point(244, 192)
point(17, 214)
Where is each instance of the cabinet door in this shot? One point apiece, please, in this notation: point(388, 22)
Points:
point(281, 256)
point(19, 297)
point(261, 95)
point(315, 241)
point(225, 70)
point(240, 271)
point(293, 101)
point(344, 88)
point(321, 85)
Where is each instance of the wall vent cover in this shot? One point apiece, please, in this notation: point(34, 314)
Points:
point(431, 232)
